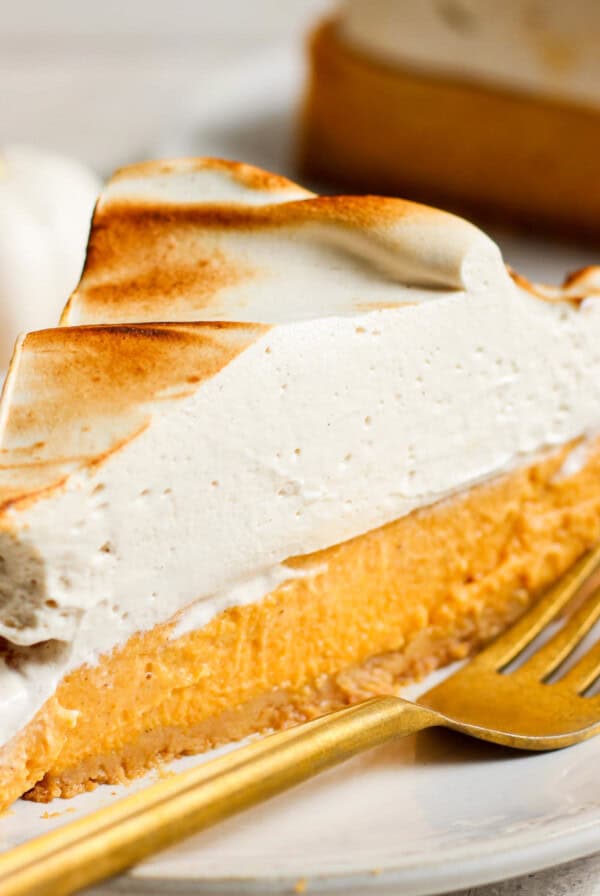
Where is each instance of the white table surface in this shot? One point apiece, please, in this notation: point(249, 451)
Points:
point(107, 81)
point(581, 878)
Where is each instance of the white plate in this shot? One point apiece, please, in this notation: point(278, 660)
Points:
point(425, 815)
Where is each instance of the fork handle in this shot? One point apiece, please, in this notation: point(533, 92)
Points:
point(114, 838)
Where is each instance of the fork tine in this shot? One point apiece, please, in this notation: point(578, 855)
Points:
point(509, 645)
point(584, 672)
point(551, 655)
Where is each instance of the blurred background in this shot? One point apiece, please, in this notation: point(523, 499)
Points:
point(112, 82)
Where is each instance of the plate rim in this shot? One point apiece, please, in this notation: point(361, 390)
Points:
point(450, 870)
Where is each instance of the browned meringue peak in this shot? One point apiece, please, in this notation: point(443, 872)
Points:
point(75, 395)
point(219, 240)
point(576, 287)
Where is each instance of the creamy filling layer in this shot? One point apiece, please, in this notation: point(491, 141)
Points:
point(30, 675)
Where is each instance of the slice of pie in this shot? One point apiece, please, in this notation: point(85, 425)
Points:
point(482, 106)
point(284, 452)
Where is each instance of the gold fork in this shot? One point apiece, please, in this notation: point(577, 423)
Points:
point(518, 709)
